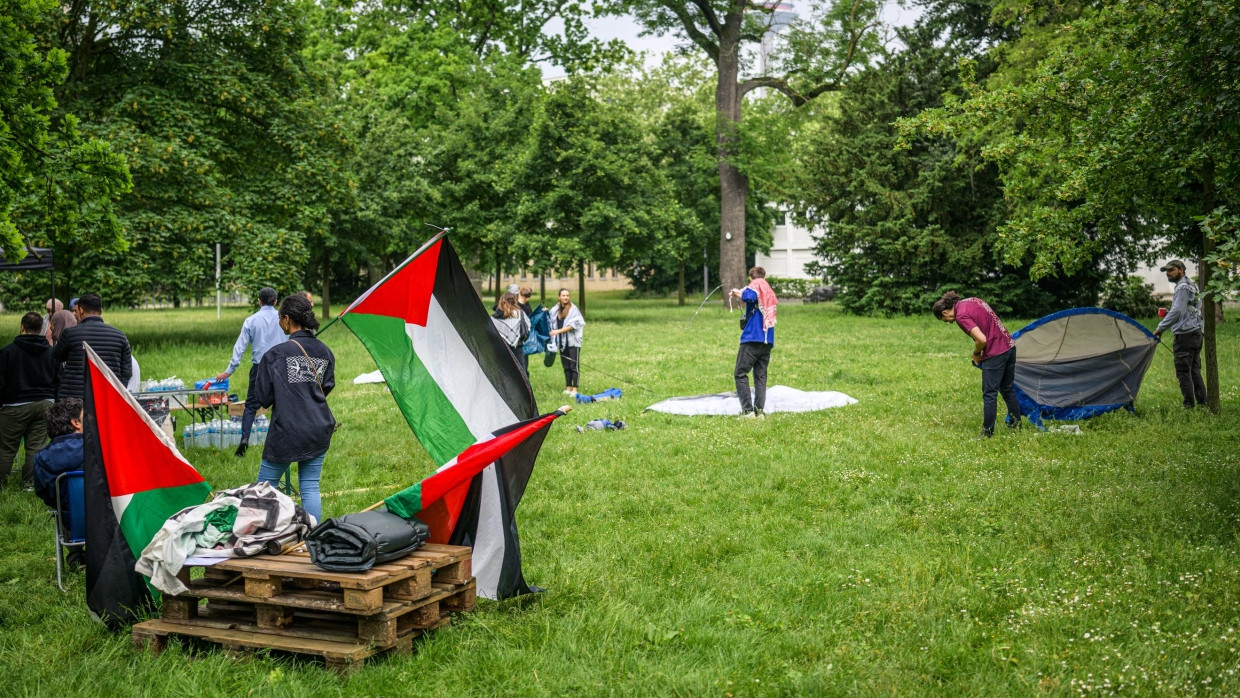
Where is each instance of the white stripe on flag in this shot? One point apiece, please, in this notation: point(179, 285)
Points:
point(120, 504)
point(455, 370)
point(489, 540)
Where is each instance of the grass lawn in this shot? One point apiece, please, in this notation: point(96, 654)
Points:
point(869, 549)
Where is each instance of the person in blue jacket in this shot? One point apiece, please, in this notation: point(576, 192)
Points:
point(757, 340)
point(64, 453)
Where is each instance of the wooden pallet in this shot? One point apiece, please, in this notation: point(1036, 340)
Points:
point(287, 604)
point(293, 581)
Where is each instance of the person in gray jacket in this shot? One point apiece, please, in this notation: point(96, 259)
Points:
point(567, 324)
point(1188, 326)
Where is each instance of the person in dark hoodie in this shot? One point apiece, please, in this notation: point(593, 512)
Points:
point(27, 386)
point(294, 379)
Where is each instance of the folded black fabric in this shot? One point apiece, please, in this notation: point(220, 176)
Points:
point(357, 542)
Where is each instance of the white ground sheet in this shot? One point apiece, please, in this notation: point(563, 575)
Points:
point(779, 398)
point(372, 377)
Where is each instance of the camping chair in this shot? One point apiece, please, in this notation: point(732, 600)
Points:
point(70, 533)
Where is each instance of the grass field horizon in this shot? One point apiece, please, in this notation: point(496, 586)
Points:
point(868, 549)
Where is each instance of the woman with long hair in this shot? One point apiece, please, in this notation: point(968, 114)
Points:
point(294, 379)
point(513, 326)
point(567, 324)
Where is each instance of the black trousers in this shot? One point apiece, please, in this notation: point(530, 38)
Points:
point(568, 359)
point(998, 376)
point(752, 356)
point(251, 406)
point(1187, 351)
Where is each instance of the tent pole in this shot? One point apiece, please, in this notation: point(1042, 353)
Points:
point(217, 281)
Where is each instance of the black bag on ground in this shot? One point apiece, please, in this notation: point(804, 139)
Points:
point(357, 542)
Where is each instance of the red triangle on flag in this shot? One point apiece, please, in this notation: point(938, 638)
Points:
point(137, 454)
point(405, 293)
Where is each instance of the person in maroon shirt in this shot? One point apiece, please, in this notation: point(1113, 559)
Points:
point(993, 351)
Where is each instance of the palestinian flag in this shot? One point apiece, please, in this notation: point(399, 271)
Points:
point(134, 479)
point(452, 375)
point(451, 501)
point(457, 383)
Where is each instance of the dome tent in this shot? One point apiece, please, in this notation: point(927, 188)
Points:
point(1080, 363)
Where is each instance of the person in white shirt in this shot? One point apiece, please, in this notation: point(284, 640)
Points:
point(261, 331)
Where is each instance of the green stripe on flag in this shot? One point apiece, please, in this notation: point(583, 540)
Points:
point(147, 511)
point(435, 421)
point(405, 503)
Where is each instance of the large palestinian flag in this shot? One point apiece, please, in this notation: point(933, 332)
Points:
point(134, 479)
point(456, 382)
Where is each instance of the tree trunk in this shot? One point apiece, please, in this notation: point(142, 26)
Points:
point(680, 292)
point(1208, 304)
point(581, 287)
point(733, 185)
point(542, 287)
point(499, 270)
point(327, 285)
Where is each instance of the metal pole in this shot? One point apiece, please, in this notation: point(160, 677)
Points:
point(217, 281)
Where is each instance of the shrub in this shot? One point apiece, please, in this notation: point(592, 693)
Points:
point(791, 288)
point(1131, 296)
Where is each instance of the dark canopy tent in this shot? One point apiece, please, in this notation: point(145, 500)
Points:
point(36, 259)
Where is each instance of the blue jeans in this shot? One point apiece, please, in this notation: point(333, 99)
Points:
point(308, 472)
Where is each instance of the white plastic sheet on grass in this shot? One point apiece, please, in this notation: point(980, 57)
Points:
point(372, 377)
point(779, 398)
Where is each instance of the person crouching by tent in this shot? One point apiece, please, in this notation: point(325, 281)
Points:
point(757, 340)
point(1187, 325)
point(567, 323)
point(993, 351)
point(294, 379)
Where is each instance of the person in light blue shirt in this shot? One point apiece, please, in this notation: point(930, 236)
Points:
point(261, 331)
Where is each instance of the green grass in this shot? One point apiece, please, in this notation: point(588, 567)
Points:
point(868, 549)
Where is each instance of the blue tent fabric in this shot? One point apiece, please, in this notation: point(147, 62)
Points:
point(609, 394)
point(540, 332)
point(1080, 363)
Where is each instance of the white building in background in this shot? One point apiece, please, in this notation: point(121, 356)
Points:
point(792, 247)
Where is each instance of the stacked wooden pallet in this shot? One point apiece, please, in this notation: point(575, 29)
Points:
point(285, 603)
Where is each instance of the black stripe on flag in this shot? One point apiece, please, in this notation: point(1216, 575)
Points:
point(466, 311)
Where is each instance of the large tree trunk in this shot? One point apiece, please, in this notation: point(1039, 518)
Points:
point(733, 185)
point(327, 285)
point(1211, 320)
point(542, 287)
point(499, 271)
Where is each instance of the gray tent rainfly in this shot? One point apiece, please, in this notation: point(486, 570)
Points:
point(1081, 362)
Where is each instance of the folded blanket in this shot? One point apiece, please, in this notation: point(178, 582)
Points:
point(357, 542)
point(240, 522)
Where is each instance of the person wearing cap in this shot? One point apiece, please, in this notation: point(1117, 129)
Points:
point(1187, 325)
point(261, 331)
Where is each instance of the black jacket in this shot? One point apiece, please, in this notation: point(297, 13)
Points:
point(301, 423)
point(108, 342)
point(27, 370)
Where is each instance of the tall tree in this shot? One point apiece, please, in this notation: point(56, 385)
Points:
point(1126, 130)
point(815, 56)
point(217, 114)
point(591, 190)
point(57, 186)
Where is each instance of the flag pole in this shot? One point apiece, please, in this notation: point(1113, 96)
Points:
point(434, 238)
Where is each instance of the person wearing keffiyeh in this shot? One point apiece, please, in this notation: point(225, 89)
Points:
point(757, 340)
